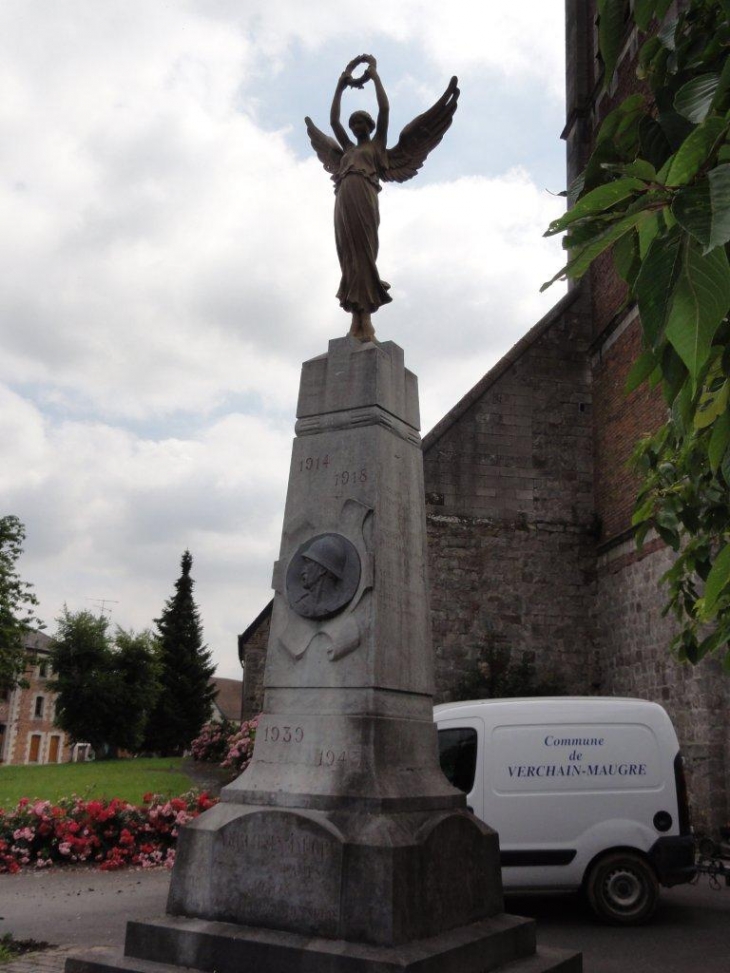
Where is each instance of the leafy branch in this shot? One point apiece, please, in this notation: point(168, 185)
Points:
point(656, 193)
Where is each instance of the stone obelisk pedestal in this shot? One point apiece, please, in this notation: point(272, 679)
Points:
point(342, 847)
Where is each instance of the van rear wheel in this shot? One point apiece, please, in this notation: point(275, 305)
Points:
point(622, 888)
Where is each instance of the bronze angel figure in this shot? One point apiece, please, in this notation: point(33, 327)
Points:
point(357, 170)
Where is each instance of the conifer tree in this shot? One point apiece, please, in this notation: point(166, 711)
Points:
point(186, 695)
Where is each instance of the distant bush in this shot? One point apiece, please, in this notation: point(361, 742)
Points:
point(213, 742)
point(109, 834)
point(240, 748)
point(227, 744)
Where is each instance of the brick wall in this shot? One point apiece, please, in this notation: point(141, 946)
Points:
point(633, 640)
point(30, 735)
point(620, 421)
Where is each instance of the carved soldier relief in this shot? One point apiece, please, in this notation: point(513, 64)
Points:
point(323, 576)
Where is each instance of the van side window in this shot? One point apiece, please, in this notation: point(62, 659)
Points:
point(458, 756)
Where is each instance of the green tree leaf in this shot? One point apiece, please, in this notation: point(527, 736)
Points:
point(694, 99)
point(717, 581)
point(719, 441)
point(639, 168)
point(626, 257)
point(643, 12)
point(655, 283)
point(704, 208)
point(711, 405)
point(666, 34)
point(578, 265)
point(653, 143)
point(633, 105)
point(695, 150)
point(597, 201)
point(611, 33)
point(641, 370)
point(699, 302)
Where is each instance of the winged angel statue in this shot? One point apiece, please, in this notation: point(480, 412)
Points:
point(357, 170)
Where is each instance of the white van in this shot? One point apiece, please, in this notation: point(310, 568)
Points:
point(585, 792)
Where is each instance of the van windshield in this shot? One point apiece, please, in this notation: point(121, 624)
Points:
point(458, 756)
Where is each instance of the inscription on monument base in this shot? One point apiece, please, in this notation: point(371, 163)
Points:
point(302, 743)
point(303, 864)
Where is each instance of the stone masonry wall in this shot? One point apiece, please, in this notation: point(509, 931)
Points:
point(254, 655)
point(633, 645)
point(509, 496)
point(519, 587)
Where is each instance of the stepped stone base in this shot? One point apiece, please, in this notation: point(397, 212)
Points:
point(175, 944)
point(383, 879)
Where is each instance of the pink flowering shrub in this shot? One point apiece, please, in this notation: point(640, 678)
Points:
point(227, 744)
point(240, 746)
point(213, 742)
point(109, 834)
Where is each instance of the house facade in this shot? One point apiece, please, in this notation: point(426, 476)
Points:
point(28, 734)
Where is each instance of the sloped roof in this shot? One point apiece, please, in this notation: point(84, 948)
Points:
point(228, 697)
point(262, 616)
point(36, 642)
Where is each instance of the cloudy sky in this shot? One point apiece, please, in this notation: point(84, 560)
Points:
point(168, 262)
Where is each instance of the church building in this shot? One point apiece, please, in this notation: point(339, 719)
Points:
point(529, 501)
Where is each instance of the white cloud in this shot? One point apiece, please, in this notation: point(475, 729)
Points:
point(168, 263)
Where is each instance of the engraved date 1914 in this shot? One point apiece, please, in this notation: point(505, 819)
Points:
point(314, 463)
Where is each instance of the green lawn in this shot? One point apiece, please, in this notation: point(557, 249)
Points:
point(127, 779)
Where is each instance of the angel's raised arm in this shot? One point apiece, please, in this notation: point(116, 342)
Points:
point(337, 128)
point(381, 129)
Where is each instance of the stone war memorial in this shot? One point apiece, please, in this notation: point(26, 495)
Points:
point(343, 847)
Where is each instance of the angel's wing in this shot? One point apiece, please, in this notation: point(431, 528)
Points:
point(328, 151)
point(420, 136)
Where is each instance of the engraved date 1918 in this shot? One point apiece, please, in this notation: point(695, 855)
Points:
point(347, 477)
point(283, 734)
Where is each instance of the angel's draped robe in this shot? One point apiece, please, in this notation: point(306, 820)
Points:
point(357, 218)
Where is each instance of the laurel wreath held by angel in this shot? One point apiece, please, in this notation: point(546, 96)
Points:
point(357, 169)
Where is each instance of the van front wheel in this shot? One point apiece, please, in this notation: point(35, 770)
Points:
point(622, 888)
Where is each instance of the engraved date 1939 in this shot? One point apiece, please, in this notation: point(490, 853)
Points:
point(283, 734)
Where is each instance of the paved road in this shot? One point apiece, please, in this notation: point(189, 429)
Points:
point(80, 905)
point(691, 931)
point(88, 908)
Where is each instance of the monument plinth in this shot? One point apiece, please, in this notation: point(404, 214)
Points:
point(343, 847)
